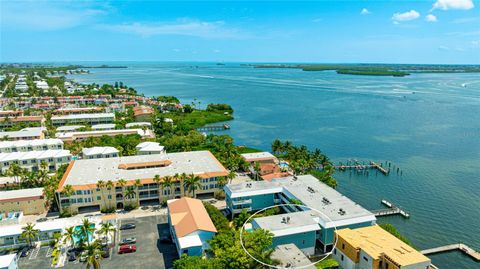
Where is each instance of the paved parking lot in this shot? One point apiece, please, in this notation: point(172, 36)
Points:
point(151, 253)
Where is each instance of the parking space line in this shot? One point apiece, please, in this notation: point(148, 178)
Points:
point(34, 254)
point(49, 252)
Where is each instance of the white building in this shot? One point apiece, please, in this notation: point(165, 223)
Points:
point(99, 152)
point(72, 136)
point(8, 261)
point(30, 145)
point(90, 118)
point(138, 124)
point(148, 148)
point(32, 160)
point(42, 85)
point(69, 128)
point(107, 126)
point(24, 134)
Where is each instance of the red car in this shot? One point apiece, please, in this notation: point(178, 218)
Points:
point(127, 249)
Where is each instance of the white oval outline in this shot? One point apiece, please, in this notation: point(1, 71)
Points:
point(274, 206)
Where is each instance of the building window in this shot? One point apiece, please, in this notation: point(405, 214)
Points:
point(335, 251)
point(365, 258)
point(109, 197)
point(99, 198)
point(343, 246)
point(341, 257)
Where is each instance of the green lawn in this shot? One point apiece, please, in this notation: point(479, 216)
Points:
point(327, 264)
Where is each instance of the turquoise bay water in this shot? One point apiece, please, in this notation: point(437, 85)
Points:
point(426, 124)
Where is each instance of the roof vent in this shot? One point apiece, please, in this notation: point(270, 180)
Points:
point(341, 211)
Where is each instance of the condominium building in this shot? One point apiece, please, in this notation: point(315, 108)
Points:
point(190, 226)
point(99, 152)
point(336, 209)
point(30, 145)
point(83, 176)
point(372, 247)
point(143, 113)
point(6, 122)
point(32, 160)
point(28, 201)
point(30, 133)
point(105, 126)
point(88, 118)
point(73, 136)
point(9, 261)
point(78, 110)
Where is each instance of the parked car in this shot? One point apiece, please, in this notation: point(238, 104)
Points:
point(165, 238)
point(127, 249)
point(24, 252)
point(128, 241)
point(105, 252)
point(72, 257)
point(128, 226)
point(42, 219)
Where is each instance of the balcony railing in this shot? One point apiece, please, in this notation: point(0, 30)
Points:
point(241, 202)
point(238, 210)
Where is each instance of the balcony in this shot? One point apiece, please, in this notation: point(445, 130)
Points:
point(277, 201)
point(238, 210)
point(241, 202)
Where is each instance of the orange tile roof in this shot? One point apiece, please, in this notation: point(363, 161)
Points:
point(188, 215)
point(142, 110)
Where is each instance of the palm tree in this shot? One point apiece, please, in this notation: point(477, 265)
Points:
point(192, 183)
point(182, 177)
point(67, 191)
point(157, 180)
point(231, 175)
point(106, 228)
point(86, 229)
point(121, 183)
point(16, 172)
point(29, 233)
point(167, 183)
point(101, 185)
point(93, 254)
point(109, 184)
point(130, 193)
point(69, 235)
point(257, 168)
point(221, 181)
point(138, 184)
point(276, 146)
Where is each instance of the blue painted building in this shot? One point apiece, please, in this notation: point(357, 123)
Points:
point(331, 209)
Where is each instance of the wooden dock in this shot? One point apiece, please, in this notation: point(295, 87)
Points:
point(461, 247)
point(391, 210)
point(214, 128)
point(362, 167)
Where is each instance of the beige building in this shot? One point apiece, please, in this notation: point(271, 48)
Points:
point(29, 201)
point(84, 175)
point(374, 248)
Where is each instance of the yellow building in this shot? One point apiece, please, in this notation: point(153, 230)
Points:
point(29, 201)
point(374, 248)
point(84, 177)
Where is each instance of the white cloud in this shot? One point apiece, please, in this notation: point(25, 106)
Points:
point(185, 27)
point(431, 18)
point(50, 16)
point(453, 4)
point(406, 16)
point(317, 20)
point(364, 11)
point(475, 44)
point(443, 48)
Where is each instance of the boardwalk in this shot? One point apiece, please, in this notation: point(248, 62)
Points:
point(360, 167)
point(214, 128)
point(461, 247)
point(391, 210)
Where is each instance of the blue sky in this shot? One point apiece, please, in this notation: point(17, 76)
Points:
point(427, 31)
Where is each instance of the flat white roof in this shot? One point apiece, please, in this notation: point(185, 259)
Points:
point(279, 225)
point(22, 193)
point(141, 123)
point(103, 126)
point(33, 143)
point(84, 116)
point(6, 260)
point(312, 193)
point(290, 255)
point(51, 225)
point(36, 154)
point(99, 150)
point(26, 132)
point(258, 155)
point(189, 241)
point(69, 135)
point(85, 172)
point(69, 128)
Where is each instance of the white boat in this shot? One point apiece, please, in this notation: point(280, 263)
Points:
point(464, 85)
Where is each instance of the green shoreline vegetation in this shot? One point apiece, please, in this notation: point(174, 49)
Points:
point(396, 70)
